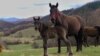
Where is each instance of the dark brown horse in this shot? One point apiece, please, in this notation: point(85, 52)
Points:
point(47, 32)
point(92, 32)
point(72, 24)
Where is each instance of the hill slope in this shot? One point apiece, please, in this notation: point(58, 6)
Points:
point(4, 25)
point(29, 32)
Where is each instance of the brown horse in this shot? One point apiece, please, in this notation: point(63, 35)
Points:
point(72, 24)
point(92, 32)
point(49, 32)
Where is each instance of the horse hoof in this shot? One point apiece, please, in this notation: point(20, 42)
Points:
point(79, 50)
point(59, 52)
point(45, 55)
point(70, 54)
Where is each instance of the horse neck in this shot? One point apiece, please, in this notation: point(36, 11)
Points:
point(58, 13)
point(60, 18)
point(43, 28)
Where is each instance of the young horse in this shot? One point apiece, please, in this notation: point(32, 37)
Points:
point(47, 32)
point(72, 24)
point(92, 32)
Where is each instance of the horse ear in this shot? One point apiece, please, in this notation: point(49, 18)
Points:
point(33, 18)
point(49, 4)
point(38, 18)
point(57, 4)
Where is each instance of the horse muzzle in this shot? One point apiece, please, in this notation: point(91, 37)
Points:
point(36, 28)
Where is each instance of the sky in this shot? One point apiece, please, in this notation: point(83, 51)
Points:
point(29, 8)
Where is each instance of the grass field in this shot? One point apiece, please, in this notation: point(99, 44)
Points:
point(26, 50)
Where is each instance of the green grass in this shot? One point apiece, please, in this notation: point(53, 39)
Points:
point(20, 47)
point(26, 50)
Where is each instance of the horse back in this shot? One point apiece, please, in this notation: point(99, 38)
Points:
point(74, 23)
point(90, 31)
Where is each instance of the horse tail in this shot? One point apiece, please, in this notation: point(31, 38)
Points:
point(81, 33)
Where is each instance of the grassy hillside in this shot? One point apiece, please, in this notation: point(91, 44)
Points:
point(5, 25)
point(29, 32)
point(88, 12)
point(87, 7)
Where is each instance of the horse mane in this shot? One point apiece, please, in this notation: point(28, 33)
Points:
point(79, 18)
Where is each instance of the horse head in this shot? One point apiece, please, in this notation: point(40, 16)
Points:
point(36, 23)
point(54, 13)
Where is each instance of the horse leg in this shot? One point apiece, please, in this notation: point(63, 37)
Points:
point(59, 45)
point(68, 44)
point(76, 43)
point(45, 47)
point(85, 41)
point(67, 47)
point(96, 41)
point(79, 41)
